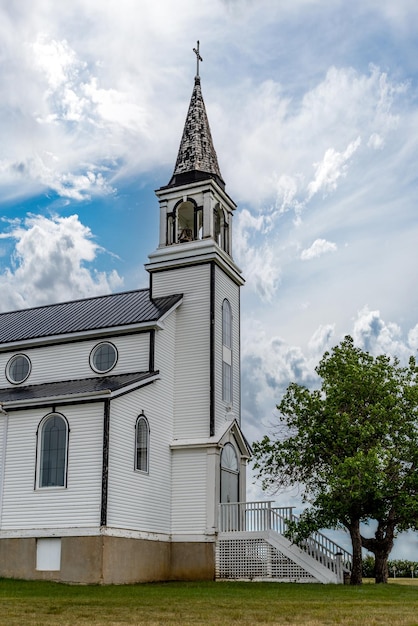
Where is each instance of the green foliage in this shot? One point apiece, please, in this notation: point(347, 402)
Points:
point(368, 566)
point(402, 568)
point(351, 446)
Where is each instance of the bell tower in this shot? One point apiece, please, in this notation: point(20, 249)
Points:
point(194, 258)
point(194, 205)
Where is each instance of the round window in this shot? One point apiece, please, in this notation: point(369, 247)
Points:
point(103, 357)
point(18, 368)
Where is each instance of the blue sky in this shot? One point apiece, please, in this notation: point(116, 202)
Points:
point(313, 107)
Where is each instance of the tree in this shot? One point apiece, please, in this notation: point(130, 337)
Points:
point(352, 448)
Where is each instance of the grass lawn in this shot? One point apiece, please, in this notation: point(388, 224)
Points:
point(44, 603)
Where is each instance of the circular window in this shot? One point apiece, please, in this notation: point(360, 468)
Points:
point(103, 357)
point(18, 368)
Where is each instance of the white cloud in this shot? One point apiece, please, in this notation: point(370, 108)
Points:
point(321, 339)
point(275, 142)
point(375, 141)
point(413, 338)
point(372, 333)
point(57, 60)
point(50, 263)
point(331, 168)
point(317, 249)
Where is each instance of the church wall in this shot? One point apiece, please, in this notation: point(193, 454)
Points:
point(192, 350)
point(189, 491)
point(71, 361)
point(226, 288)
point(138, 500)
point(26, 507)
point(3, 426)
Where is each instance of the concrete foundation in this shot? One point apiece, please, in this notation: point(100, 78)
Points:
point(110, 560)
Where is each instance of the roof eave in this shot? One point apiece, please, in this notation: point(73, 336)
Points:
point(70, 398)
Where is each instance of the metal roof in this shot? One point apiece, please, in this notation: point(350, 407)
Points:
point(83, 386)
point(100, 312)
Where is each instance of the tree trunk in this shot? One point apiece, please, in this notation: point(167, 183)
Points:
point(381, 566)
point(357, 566)
point(381, 545)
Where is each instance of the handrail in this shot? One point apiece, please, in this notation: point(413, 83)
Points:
point(262, 516)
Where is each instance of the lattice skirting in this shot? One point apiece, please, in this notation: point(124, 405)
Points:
point(255, 558)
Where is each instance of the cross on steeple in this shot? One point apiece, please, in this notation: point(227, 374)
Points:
point(198, 58)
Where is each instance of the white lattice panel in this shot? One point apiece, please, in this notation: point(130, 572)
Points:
point(284, 568)
point(255, 558)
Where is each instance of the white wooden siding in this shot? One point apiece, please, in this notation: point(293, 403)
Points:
point(78, 505)
point(2, 459)
point(139, 501)
point(189, 491)
point(226, 288)
point(71, 361)
point(192, 350)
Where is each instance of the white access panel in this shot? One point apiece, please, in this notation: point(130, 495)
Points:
point(48, 555)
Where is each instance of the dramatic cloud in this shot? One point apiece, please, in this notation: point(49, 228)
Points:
point(50, 263)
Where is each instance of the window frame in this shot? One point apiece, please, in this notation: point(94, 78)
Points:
point(227, 324)
point(9, 366)
point(40, 450)
point(193, 230)
point(227, 383)
point(227, 370)
point(93, 353)
point(142, 420)
point(229, 476)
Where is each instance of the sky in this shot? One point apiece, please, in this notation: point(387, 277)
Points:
point(313, 107)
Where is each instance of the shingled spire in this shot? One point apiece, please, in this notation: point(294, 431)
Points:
point(196, 159)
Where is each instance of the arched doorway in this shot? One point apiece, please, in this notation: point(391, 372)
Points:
point(229, 474)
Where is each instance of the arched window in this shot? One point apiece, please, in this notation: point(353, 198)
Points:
point(53, 451)
point(189, 221)
point(142, 444)
point(226, 352)
point(229, 474)
point(221, 228)
point(226, 324)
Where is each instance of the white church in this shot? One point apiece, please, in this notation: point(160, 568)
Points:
point(121, 452)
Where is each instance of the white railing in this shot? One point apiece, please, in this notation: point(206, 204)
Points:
point(262, 516)
point(253, 517)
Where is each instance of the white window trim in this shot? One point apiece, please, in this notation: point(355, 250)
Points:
point(144, 419)
point(10, 363)
point(227, 318)
point(93, 352)
point(41, 425)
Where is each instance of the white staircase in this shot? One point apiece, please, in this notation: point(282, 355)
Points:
point(251, 546)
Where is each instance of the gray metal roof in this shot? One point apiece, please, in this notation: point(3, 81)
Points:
point(119, 309)
point(83, 386)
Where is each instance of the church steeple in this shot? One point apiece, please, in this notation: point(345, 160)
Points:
point(196, 159)
point(195, 210)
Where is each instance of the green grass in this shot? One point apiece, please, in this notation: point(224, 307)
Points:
point(45, 603)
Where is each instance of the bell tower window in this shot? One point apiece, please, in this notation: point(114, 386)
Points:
point(221, 228)
point(217, 224)
point(185, 223)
